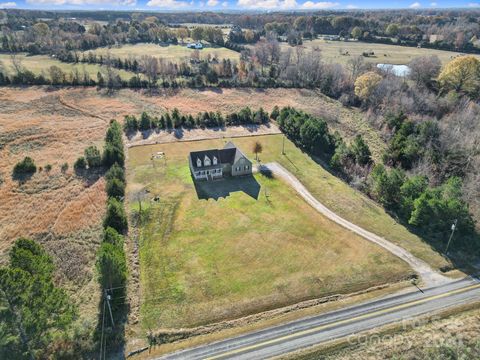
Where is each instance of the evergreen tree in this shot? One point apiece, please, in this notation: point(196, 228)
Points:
point(116, 188)
point(112, 266)
point(115, 216)
point(93, 157)
point(145, 122)
point(32, 308)
point(361, 151)
point(110, 235)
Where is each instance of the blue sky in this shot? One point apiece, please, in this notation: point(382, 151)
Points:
point(205, 5)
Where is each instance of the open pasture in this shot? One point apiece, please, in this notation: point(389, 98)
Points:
point(174, 53)
point(342, 51)
point(40, 64)
point(258, 247)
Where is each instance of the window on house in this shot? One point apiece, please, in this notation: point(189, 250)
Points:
point(199, 162)
point(207, 161)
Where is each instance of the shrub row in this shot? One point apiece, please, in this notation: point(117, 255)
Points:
point(111, 259)
point(175, 119)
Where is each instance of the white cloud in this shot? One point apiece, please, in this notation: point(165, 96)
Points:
point(285, 4)
point(319, 5)
point(433, 4)
point(351, 6)
point(415, 5)
point(170, 4)
point(473, 4)
point(83, 2)
point(225, 4)
point(213, 2)
point(267, 4)
point(9, 4)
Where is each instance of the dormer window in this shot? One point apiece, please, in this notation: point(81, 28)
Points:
point(207, 161)
point(214, 160)
point(199, 162)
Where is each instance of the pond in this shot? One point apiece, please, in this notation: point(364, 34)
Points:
point(398, 70)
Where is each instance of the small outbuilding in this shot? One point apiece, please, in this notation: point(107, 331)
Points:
point(197, 45)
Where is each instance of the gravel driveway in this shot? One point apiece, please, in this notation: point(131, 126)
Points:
point(429, 276)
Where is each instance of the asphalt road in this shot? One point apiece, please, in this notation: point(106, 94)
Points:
point(314, 330)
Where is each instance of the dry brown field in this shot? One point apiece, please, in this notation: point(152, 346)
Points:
point(64, 211)
point(54, 126)
point(453, 335)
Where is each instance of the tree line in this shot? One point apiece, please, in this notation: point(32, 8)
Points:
point(53, 36)
point(41, 32)
point(176, 120)
point(111, 258)
point(313, 135)
point(427, 208)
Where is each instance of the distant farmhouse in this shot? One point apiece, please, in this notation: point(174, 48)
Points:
point(217, 163)
point(196, 45)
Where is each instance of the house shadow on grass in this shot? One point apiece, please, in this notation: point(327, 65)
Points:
point(224, 187)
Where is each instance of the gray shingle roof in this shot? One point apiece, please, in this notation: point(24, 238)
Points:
point(194, 155)
point(228, 155)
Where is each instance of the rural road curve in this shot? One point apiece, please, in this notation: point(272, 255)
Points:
point(429, 276)
point(303, 333)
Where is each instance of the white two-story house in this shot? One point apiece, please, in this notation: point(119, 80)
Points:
point(218, 163)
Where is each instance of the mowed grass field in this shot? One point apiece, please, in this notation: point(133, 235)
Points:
point(172, 53)
point(204, 261)
point(332, 51)
point(39, 64)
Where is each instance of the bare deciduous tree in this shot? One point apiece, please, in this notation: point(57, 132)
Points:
point(356, 66)
point(150, 68)
point(424, 69)
point(257, 149)
point(16, 63)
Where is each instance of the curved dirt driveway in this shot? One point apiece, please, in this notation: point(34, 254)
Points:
point(429, 276)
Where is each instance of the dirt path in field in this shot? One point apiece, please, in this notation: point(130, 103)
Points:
point(429, 276)
point(80, 110)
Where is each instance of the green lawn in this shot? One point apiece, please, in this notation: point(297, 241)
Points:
point(168, 52)
point(41, 63)
point(343, 199)
point(203, 261)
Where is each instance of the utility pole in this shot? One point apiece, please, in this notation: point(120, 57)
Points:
point(101, 338)
point(108, 298)
point(454, 227)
